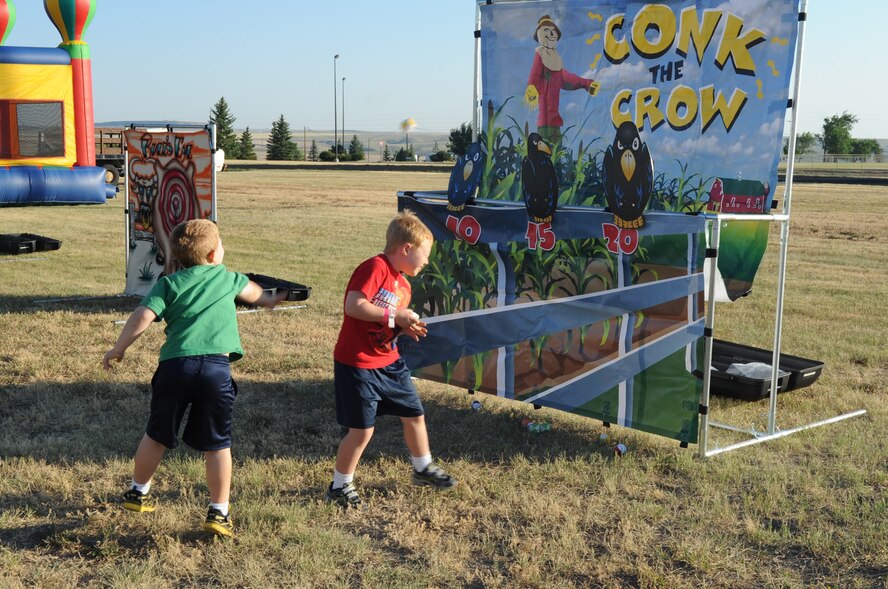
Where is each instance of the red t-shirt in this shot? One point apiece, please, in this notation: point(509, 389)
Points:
point(368, 344)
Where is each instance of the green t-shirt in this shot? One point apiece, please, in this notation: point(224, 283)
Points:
point(197, 304)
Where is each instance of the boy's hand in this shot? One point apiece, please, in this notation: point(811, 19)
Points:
point(270, 302)
point(410, 323)
point(112, 354)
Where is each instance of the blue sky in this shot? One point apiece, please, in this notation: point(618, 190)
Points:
point(172, 60)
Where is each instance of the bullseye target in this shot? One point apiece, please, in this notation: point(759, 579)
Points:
point(177, 202)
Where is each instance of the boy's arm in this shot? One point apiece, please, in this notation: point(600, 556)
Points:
point(253, 294)
point(359, 307)
point(137, 323)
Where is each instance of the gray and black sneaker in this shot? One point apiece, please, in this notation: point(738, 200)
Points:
point(345, 496)
point(218, 524)
point(433, 476)
point(133, 500)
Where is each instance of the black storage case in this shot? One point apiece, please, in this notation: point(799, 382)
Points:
point(295, 291)
point(26, 243)
point(802, 372)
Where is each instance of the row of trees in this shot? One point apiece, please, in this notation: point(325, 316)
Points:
point(280, 144)
point(836, 139)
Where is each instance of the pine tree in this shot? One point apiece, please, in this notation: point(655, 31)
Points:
point(313, 151)
point(247, 151)
point(386, 154)
point(355, 149)
point(279, 145)
point(226, 138)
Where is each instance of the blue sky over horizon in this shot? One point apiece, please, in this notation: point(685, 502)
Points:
point(167, 60)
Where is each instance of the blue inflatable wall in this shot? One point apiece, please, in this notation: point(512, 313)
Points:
point(29, 185)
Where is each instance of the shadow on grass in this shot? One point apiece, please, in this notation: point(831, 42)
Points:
point(88, 304)
point(99, 421)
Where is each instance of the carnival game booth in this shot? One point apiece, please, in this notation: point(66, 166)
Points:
point(619, 186)
point(47, 152)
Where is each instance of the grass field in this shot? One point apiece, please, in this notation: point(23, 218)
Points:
point(549, 510)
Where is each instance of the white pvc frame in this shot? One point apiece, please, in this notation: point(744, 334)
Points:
point(714, 226)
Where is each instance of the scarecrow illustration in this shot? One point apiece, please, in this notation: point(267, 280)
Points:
point(548, 78)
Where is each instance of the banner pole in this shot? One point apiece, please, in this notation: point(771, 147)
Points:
point(476, 106)
point(712, 257)
point(784, 225)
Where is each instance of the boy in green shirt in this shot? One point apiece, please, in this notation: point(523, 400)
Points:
point(198, 305)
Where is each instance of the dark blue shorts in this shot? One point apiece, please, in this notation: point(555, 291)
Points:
point(364, 393)
point(205, 383)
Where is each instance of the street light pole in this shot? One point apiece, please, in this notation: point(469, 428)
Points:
point(335, 113)
point(343, 112)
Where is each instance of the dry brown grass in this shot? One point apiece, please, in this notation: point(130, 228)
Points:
point(554, 510)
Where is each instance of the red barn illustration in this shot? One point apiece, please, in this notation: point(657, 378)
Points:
point(738, 196)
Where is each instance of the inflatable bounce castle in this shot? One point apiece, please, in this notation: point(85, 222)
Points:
point(47, 149)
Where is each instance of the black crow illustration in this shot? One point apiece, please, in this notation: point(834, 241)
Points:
point(628, 177)
point(465, 178)
point(539, 181)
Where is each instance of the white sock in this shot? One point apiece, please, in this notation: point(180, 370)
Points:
point(420, 463)
point(340, 480)
point(143, 489)
point(222, 507)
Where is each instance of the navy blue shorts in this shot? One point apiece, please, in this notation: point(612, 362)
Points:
point(205, 383)
point(364, 393)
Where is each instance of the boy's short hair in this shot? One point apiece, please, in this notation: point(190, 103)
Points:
point(192, 241)
point(406, 228)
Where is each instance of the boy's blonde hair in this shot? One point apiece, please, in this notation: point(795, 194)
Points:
point(192, 241)
point(406, 228)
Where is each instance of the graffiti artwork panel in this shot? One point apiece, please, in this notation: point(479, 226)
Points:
point(170, 180)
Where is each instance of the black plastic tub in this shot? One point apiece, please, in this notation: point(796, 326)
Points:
point(16, 243)
point(795, 372)
point(295, 291)
point(26, 243)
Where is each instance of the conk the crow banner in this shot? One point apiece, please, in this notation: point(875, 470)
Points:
point(693, 92)
point(568, 264)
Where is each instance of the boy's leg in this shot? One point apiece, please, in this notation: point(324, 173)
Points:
point(218, 464)
point(342, 490)
point(148, 456)
point(416, 435)
point(219, 474)
point(351, 447)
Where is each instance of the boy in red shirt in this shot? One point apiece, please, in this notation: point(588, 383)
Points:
point(370, 377)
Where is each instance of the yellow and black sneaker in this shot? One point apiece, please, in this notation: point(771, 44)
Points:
point(218, 524)
point(133, 500)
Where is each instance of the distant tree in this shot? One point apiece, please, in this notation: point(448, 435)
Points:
point(327, 156)
point(280, 145)
point(866, 147)
point(226, 138)
point(386, 154)
point(355, 149)
point(836, 137)
point(460, 138)
point(804, 143)
point(441, 155)
point(313, 151)
point(404, 155)
point(245, 146)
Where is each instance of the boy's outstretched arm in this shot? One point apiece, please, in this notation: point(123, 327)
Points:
point(252, 294)
point(137, 323)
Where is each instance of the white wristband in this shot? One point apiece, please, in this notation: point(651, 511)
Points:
point(391, 319)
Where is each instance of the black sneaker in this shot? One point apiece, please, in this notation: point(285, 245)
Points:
point(345, 496)
point(433, 476)
point(133, 500)
point(218, 524)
